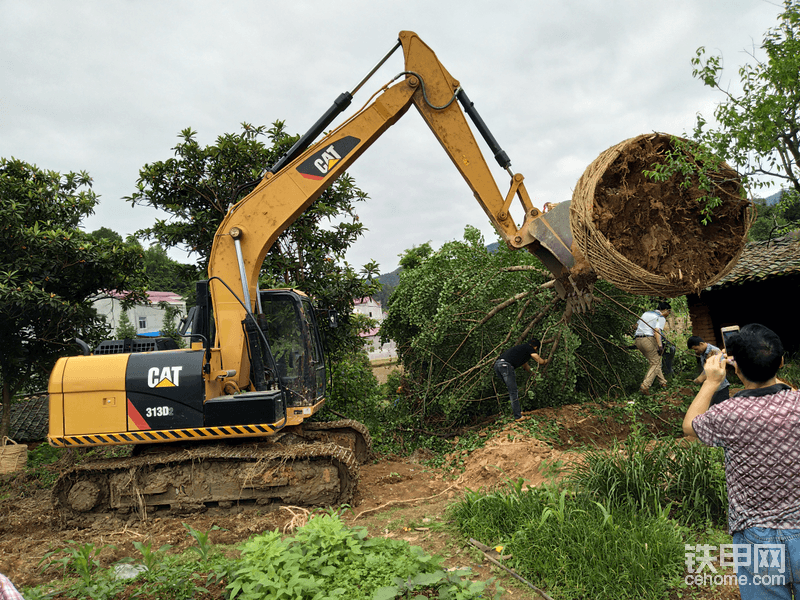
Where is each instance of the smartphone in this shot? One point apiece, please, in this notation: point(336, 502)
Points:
point(727, 332)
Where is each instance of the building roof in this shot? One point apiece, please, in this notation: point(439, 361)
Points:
point(763, 260)
point(367, 300)
point(155, 297)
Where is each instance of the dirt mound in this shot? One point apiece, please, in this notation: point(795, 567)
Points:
point(513, 457)
point(646, 236)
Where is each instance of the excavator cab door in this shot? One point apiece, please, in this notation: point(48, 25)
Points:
point(288, 322)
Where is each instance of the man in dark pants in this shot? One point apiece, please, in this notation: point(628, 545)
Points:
point(513, 358)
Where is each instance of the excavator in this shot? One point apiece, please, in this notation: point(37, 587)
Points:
point(226, 420)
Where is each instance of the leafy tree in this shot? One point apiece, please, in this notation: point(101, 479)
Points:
point(456, 310)
point(169, 327)
point(773, 220)
point(105, 233)
point(125, 329)
point(758, 128)
point(198, 185)
point(165, 274)
point(50, 273)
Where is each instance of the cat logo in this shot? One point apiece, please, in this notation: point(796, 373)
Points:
point(319, 164)
point(166, 377)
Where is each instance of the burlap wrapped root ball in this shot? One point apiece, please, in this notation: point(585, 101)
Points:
point(647, 237)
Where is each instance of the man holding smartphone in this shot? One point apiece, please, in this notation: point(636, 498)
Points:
point(759, 429)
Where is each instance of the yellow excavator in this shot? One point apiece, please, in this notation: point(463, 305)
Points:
point(224, 421)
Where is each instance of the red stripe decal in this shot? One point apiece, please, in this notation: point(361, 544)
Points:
point(137, 418)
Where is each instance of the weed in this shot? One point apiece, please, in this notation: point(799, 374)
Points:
point(83, 560)
point(151, 559)
point(570, 543)
point(654, 475)
point(325, 554)
point(204, 546)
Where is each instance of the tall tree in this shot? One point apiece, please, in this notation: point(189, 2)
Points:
point(125, 329)
point(50, 271)
point(199, 184)
point(757, 129)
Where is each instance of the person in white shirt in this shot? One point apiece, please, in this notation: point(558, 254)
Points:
point(648, 341)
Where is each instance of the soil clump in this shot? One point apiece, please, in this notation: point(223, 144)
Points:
point(647, 236)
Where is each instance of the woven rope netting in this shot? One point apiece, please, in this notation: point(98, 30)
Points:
point(667, 252)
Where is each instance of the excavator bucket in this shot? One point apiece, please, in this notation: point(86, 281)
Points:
point(555, 247)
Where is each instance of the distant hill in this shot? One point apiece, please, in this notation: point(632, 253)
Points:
point(389, 281)
point(773, 199)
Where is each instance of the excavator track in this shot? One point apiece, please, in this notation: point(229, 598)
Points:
point(346, 433)
point(194, 478)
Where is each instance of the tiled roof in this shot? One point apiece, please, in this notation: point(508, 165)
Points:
point(29, 419)
point(155, 297)
point(762, 260)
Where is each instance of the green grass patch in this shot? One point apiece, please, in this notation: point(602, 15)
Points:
point(573, 546)
point(686, 479)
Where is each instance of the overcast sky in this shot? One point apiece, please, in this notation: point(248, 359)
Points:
point(105, 86)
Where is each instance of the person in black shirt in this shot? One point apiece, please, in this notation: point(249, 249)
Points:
point(513, 358)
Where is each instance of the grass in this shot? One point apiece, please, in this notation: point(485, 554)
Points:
point(687, 479)
point(564, 541)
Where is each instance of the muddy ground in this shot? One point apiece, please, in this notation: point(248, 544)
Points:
point(398, 497)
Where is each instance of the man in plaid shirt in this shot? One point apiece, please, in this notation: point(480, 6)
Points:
point(7, 589)
point(759, 428)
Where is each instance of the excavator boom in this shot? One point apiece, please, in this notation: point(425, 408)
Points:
point(252, 226)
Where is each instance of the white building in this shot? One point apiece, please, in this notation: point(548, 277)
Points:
point(372, 340)
point(147, 319)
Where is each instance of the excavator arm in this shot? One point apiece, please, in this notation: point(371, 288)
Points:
point(252, 225)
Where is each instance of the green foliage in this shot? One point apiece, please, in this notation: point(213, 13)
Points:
point(51, 271)
point(354, 389)
point(204, 547)
point(125, 329)
point(326, 559)
point(574, 546)
point(83, 560)
point(104, 233)
point(165, 274)
point(692, 164)
point(198, 185)
point(790, 372)
point(169, 326)
point(773, 220)
point(457, 309)
point(39, 459)
point(686, 479)
point(161, 575)
point(756, 129)
point(151, 559)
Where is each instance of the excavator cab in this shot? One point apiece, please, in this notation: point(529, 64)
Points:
point(288, 322)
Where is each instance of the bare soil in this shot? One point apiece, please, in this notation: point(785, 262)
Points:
point(398, 497)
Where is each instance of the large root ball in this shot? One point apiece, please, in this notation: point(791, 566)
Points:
point(647, 237)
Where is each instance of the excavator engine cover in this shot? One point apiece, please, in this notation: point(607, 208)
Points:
point(165, 390)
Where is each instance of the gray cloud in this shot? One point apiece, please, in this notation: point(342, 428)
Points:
point(107, 86)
